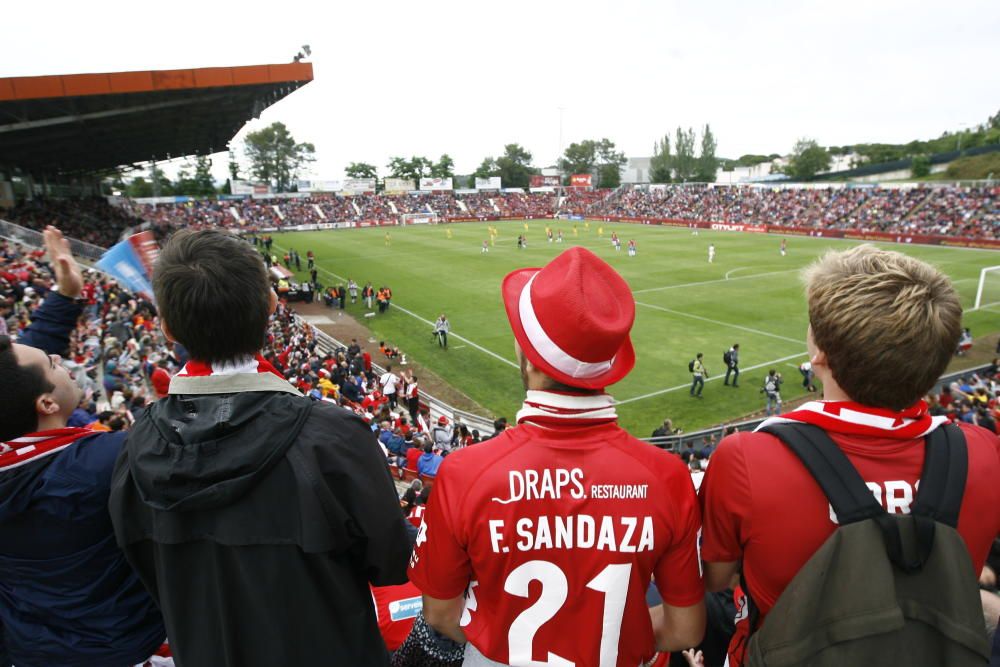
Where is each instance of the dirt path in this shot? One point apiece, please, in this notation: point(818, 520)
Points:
point(344, 327)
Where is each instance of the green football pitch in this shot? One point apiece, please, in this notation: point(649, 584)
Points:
point(749, 295)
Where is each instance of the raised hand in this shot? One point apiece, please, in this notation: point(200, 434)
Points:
point(69, 280)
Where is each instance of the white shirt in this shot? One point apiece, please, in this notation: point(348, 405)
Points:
point(388, 382)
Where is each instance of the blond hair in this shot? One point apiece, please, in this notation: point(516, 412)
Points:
point(888, 323)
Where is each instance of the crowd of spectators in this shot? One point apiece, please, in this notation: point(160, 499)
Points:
point(91, 220)
point(972, 399)
point(949, 210)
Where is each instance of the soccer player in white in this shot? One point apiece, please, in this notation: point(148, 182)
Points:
point(711, 253)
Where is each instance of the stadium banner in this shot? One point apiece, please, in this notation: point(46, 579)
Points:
point(725, 227)
point(466, 192)
point(398, 186)
point(542, 189)
point(319, 186)
point(431, 184)
point(241, 188)
point(580, 180)
point(491, 183)
point(539, 181)
point(520, 190)
point(358, 185)
point(232, 197)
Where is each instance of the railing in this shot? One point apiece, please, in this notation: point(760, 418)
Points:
point(329, 345)
point(12, 232)
point(676, 442)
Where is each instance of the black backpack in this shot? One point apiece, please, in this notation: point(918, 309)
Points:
point(884, 588)
point(727, 357)
point(691, 366)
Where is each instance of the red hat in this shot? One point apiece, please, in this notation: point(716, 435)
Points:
point(442, 421)
point(572, 319)
point(161, 382)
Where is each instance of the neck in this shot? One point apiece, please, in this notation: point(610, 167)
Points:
point(51, 422)
point(831, 390)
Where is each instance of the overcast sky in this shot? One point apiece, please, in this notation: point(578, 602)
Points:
point(465, 78)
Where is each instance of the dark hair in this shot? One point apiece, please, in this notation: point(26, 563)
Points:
point(428, 448)
point(213, 293)
point(19, 387)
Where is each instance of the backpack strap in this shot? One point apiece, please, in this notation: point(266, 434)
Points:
point(942, 481)
point(848, 494)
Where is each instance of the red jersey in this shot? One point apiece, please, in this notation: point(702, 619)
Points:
point(761, 505)
point(412, 455)
point(396, 607)
point(416, 516)
point(554, 533)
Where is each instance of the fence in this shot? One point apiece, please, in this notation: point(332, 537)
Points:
point(12, 232)
point(676, 442)
point(328, 344)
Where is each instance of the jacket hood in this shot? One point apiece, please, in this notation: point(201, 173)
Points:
point(205, 451)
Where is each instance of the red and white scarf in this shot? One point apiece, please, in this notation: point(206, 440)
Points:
point(32, 446)
point(855, 419)
point(256, 364)
point(549, 407)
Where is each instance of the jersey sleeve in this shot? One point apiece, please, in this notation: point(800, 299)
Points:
point(725, 503)
point(678, 575)
point(440, 565)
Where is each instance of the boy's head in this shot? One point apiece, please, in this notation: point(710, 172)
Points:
point(213, 294)
point(887, 323)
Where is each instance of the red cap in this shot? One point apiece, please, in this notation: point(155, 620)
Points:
point(442, 421)
point(572, 319)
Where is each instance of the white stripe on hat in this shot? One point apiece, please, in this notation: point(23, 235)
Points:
point(554, 355)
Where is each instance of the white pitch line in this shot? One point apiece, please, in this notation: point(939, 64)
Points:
point(732, 271)
point(456, 336)
point(711, 379)
point(720, 323)
point(427, 321)
point(710, 282)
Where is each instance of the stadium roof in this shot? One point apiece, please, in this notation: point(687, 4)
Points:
point(94, 122)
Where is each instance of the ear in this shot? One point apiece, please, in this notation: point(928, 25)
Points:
point(819, 358)
point(46, 405)
point(166, 330)
point(272, 301)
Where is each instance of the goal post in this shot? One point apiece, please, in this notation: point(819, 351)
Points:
point(418, 219)
point(988, 291)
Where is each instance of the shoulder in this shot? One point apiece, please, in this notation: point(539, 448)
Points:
point(984, 448)
point(334, 422)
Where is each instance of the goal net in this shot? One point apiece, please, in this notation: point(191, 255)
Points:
point(988, 292)
point(418, 219)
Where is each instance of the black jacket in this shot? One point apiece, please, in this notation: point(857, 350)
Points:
point(257, 519)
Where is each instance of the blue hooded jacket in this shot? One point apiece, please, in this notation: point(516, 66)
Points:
point(67, 595)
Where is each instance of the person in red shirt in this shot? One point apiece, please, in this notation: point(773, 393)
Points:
point(396, 608)
point(760, 504)
point(537, 546)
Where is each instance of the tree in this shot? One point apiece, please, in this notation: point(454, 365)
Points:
point(234, 167)
point(808, 158)
point(514, 166)
point(579, 158)
point(444, 168)
point(204, 182)
point(660, 163)
point(921, 166)
point(609, 164)
point(487, 169)
point(139, 187)
point(361, 170)
point(685, 163)
point(707, 162)
point(275, 157)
